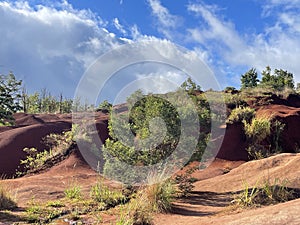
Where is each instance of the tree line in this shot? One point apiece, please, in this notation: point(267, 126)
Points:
point(276, 80)
point(14, 97)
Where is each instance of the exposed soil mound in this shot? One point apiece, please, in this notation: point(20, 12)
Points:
point(234, 144)
point(22, 119)
point(209, 201)
point(12, 143)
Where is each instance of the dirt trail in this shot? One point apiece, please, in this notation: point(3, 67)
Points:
point(210, 199)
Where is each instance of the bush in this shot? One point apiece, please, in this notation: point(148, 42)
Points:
point(256, 132)
point(241, 114)
point(59, 144)
point(258, 129)
point(150, 132)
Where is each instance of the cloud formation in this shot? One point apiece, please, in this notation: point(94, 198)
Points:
point(44, 44)
point(277, 46)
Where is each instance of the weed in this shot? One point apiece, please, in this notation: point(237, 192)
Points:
point(73, 192)
point(101, 193)
point(55, 204)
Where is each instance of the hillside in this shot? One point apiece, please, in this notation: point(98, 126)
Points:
point(208, 203)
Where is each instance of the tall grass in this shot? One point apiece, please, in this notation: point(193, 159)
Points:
point(157, 197)
point(6, 198)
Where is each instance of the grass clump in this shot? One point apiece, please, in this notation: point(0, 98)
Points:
point(40, 214)
point(73, 192)
point(101, 193)
point(6, 199)
point(154, 198)
point(266, 194)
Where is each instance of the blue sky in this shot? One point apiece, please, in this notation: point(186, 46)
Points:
point(50, 44)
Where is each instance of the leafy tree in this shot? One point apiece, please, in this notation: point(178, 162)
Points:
point(44, 102)
point(249, 79)
point(267, 78)
point(190, 86)
point(279, 80)
point(150, 132)
point(9, 97)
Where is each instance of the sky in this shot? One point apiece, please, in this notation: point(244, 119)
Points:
point(52, 44)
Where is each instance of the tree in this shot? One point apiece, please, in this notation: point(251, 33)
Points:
point(190, 86)
point(9, 97)
point(249, 79)
point(279, 80)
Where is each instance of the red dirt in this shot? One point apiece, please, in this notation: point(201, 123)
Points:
point(29, 132)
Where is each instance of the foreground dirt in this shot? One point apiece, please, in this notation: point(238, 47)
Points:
point(209, 203)
point(210, 200)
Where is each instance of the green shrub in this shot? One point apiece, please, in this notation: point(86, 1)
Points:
point(150, 132)
point(258, 129)
point(241, 114)
point(34, 160)
point(234, 100)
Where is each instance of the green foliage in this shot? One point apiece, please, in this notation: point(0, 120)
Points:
point(9, 98)
point(58, 145)
point(104, 106)
point(155, 198)
point(268, 193)
point(153, 131)
point(258, 129)
point(247, 197)
point(231, 90)
point(73, 191)
point(234, 100)
point(190, 86)
point(279, 80)
point(35, 160)
point(249, 79)
point(39, 214)
point(44, 102)
point(101, 193)
point(241, 114)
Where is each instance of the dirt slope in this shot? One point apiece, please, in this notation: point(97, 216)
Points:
point(209, 201)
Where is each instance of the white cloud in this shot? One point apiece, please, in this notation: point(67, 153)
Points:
point(119, 26)
point(51, 46)
point(278, 45)
point(166, 22)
